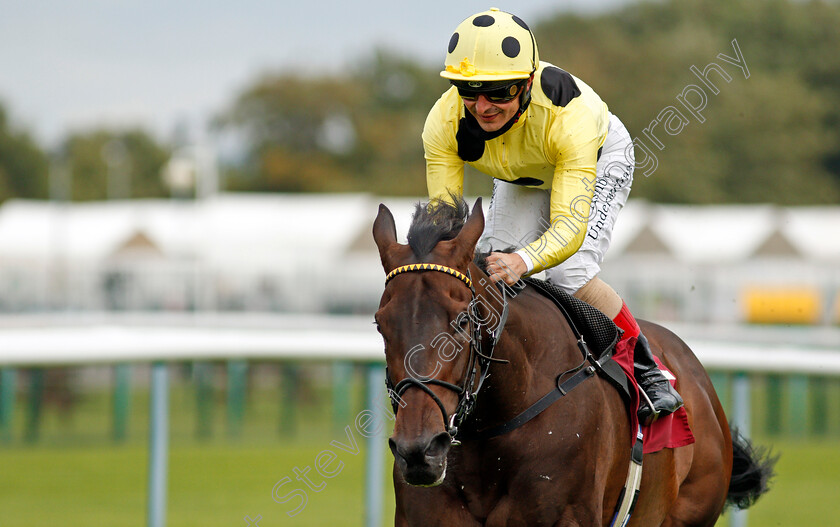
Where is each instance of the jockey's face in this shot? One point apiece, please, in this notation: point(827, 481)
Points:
point(493, 115)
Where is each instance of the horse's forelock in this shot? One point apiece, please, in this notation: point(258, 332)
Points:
point(434, 222)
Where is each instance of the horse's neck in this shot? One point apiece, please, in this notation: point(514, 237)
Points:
point(537, 349)
point(539, 329)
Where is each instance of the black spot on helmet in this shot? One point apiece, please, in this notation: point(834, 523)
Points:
point(491, 46)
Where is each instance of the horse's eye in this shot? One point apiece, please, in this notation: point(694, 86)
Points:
point(464, 322)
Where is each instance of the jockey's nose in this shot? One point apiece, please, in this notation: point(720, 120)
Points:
point(482, 103)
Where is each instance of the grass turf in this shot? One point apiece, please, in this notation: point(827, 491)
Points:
point(209, 485)
point(75, 476)
point(220, 484)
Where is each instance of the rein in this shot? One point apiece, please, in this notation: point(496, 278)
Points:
point(477, 367)
point(590, 366)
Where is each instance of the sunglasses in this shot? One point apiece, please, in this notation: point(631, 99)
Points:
point(499, 95)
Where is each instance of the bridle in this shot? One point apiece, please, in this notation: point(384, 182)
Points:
point(477, 366)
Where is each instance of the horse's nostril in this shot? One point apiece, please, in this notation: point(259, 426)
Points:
point(439, 445)
point(420, 452)
point(407, 452)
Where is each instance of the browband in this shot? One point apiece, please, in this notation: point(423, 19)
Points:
point(429, 267)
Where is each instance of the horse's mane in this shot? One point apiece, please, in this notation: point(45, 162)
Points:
point(434, 222)
point(441, 220)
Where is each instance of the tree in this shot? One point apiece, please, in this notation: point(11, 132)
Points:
point(772, 135)
point(24, 167)
point(355, 132)
point(769, 137)
point(133, 159)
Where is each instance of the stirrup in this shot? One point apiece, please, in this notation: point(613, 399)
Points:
point(645, 418)
point(670, 401)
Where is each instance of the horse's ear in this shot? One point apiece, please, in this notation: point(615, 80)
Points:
point(474, 226)
point(384, 231)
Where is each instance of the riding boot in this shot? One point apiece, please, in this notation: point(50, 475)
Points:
point(660, 393)
point(655, 387)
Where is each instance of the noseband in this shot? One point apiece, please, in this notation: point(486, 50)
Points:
point(478, 364)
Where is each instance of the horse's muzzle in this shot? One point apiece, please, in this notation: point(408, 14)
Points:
point(422, 462)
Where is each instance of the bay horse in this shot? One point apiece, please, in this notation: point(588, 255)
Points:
point(565, 467)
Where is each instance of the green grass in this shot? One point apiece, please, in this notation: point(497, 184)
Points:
point(218, 485)
point(209, 485)
point(807, 490)
point(75, 476)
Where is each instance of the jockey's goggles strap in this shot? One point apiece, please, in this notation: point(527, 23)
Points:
point(429, 267)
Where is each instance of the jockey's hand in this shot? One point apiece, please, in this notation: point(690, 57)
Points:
point(508, 267)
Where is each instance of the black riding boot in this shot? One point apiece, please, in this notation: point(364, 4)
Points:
point(661, 394)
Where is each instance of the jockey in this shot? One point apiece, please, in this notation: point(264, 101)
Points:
point(561, 164)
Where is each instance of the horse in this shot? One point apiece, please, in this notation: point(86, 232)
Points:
point(454, 368)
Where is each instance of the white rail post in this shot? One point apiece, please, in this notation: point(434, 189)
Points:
point(375, 466)
point(158, 445)
point(741, 418)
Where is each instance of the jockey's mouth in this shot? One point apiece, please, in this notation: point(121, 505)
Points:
point(489, 117)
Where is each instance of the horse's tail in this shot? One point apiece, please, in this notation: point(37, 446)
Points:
point(752, 471)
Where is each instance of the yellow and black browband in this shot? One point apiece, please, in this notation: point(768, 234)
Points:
point(429, 267)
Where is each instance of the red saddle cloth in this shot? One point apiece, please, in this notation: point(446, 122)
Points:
point(671, 431)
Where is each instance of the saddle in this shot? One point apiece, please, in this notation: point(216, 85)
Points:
point(592, 330)
point(592, 327)
point(602, 335)
point(588, 323)
point(597, 337)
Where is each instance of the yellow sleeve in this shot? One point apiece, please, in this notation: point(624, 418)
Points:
point(444, 169)
point(573, 143)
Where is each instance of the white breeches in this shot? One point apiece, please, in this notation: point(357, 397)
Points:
point(516, 213)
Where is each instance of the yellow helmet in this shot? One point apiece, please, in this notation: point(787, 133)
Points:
point(491, 46)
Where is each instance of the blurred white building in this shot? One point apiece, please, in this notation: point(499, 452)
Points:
point(315, 253)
